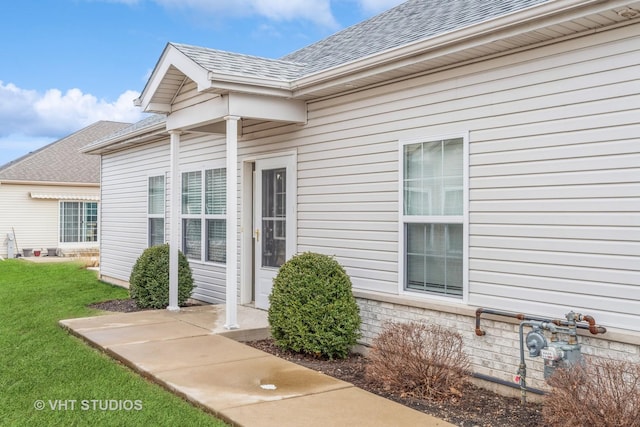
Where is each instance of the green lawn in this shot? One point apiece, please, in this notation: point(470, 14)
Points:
point(41, 364)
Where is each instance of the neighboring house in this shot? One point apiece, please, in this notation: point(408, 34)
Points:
point(451, 154)
point(49, 198)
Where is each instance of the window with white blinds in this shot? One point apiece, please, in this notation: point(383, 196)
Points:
point(204, 230)
point(433, 216)
point(78, 222)
point(156, 210)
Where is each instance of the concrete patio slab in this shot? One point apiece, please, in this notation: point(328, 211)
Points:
point(248, 381)
point(157, 356)
point(337, 408)
point(241, 384)
point(118, 320)
point(171, 329)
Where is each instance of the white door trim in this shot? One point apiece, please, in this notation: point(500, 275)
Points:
point(247, 219)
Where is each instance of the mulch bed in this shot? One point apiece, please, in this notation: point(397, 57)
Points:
point(476, 407)
point(117, 305)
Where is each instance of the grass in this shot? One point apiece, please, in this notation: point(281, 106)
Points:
point(41, 363)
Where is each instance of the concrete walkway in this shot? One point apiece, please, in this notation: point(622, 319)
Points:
point(190, 353)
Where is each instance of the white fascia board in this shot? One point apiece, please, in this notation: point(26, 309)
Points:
point(267, 108)
point(157, 108)
point(200, 114)
point(475, 35)
point(223, 83)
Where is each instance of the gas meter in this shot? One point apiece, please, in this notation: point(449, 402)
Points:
point(554, 352)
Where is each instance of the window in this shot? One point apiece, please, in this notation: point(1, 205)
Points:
point(433, 216)
point(78, 222)
point(204, 231)
point(156, 210)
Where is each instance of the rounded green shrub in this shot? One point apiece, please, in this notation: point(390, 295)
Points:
point(312, 309)
point(149, 280)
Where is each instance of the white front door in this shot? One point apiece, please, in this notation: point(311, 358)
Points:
point(274, 221)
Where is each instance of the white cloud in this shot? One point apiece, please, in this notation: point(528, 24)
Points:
point(318, 12)
point(377, 6)
point(31, 119)
point(315, 11)
point(54, 113)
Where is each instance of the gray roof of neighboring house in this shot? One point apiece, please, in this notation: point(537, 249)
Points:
point(145, 123)
point(61, 161)
point(408, 22)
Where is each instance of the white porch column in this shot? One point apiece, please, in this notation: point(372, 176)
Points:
point(174, 224)
point(232, 223)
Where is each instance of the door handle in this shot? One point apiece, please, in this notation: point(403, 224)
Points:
point(257, 234)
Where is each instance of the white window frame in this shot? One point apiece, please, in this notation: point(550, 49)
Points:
point(81, 230)
point(162, 215)
point(435, 219)
point(202, 216)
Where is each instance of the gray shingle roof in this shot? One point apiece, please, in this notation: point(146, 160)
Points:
point(147, 122)
point(242, 65)
point(411, 21)
point(408, 22)
point(61, 161)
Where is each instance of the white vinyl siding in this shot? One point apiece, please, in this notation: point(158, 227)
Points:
point(36, 221)
point(125, 215)
point(553, 188)
point(554, 173)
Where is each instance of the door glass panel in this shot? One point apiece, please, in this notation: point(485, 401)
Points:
point(274, 219)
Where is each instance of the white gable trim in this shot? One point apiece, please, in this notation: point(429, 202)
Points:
point(171, 57)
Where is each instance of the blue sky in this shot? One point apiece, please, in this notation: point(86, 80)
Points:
point(65, 64)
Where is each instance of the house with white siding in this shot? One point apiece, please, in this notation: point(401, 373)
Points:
point(452, 155)
point(49, 198)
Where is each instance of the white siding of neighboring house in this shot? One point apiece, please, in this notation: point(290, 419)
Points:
point(36, 221)
point(124, 214)
point(554, 175)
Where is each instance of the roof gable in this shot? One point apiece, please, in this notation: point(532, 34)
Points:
point(62, 161)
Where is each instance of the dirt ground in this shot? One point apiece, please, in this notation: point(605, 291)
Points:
point(476, 407)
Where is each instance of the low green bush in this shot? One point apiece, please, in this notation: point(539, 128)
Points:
point(312, 309)
point(149, 280)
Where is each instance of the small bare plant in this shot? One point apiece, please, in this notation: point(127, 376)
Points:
point(598, 392)
point(417, 359)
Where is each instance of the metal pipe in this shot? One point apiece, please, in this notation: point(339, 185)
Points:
point(592, 327)
point(511, 384)
point(479, 311)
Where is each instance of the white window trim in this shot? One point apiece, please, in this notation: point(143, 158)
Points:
point(163, 215)
point(79, 245)
point(201, 216)
point(464, 219)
